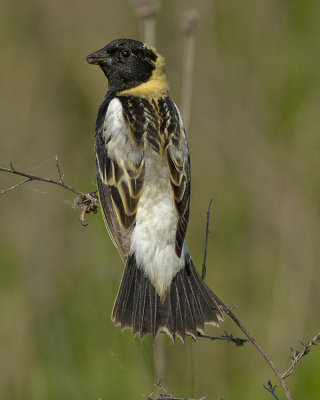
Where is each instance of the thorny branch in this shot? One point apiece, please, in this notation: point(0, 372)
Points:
point(89, 202)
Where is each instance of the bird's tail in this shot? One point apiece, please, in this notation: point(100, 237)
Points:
point(188, 305)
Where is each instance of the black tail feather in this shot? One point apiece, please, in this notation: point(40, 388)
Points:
point(172, 310)
point(188, 305)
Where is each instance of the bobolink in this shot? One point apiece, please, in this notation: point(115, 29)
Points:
point(143, 176)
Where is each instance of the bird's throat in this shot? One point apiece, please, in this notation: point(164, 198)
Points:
point(157, 86)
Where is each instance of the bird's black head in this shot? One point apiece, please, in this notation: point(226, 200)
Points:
point(128, 64)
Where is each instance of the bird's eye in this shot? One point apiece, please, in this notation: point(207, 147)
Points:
point(125, 53)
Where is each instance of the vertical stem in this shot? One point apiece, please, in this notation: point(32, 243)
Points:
point(145, 11)
point(148, 30)
point(204, 268)
point(160, 358)
point(189, 25)
point(187, 72)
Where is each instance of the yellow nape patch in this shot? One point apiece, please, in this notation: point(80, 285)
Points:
point(156, 86)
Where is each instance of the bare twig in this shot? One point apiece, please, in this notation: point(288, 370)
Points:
point(272, 365)
point(59, 169)
point(298, 354)
point(257, 346)
point(89, 202)
point(204, 268)
point(228, 338)
point(164, 395)
point(14, 186)
point(30, 177)
point(271, 389)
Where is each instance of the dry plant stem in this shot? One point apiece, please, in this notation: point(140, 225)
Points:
point(257, 346)
point(227, 338)
point(160, 357)
point(61, 183)
point(169, 397)
point(204, 268)
point(164, 395)
point(59, 169)
point(14, 186)
point(271, 389)
point(247, 333)
point(189, 46)
point(298, 354)
point(189, 26)
point(148, 30)
point(145, 11)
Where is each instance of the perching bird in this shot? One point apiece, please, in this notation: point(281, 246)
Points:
point(143, 176)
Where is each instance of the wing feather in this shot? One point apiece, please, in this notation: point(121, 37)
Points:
point(179, 172)
point(120, 176)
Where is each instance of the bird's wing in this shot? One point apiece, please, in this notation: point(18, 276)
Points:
point(120, 176)
point(179, 171)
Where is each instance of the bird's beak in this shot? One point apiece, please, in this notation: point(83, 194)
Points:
point(100, 57)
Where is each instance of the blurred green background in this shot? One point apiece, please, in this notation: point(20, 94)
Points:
point(255, 148)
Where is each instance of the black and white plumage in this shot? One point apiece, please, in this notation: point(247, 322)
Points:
point(143, 176)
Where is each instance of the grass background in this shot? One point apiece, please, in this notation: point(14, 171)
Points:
point(255, 145)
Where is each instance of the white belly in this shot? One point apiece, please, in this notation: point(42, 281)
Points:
point(153, 238)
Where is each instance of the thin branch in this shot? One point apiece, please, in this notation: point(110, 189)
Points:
point(164, 395)
point(228, 338)
point(30, 177)
point(298, 354)
point(204, 268)
point(272, 365)
point(89, 202)
point(59, 169)
point(14, 186)
point(271, 389)
point(257, 346)
point(169, 397)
